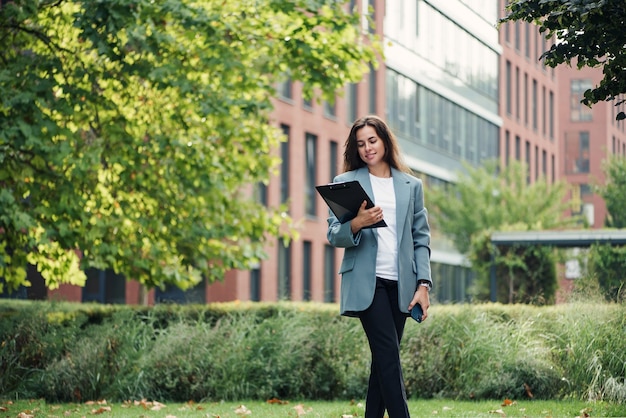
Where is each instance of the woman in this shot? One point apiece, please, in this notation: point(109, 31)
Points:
point(385, 271)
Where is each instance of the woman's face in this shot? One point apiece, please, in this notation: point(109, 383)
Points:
point(371, 147)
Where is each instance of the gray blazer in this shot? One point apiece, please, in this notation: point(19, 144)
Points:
point(358, 267)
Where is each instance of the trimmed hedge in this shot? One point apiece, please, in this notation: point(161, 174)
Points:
point(235, 351)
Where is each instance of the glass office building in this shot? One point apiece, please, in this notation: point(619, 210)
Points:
point(442, 60)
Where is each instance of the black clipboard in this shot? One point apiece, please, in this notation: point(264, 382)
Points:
point(344, 200)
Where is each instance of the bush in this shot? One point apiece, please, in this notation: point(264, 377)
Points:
point(74, 352)
point(472, 353)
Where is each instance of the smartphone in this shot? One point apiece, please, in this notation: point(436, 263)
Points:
point(417, 312)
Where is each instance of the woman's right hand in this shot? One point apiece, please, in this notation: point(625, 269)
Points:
point(366, 217)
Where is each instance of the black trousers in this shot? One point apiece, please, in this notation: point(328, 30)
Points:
point(383, 323)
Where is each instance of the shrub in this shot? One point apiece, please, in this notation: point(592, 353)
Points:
point(470, 353)
point(74, 352)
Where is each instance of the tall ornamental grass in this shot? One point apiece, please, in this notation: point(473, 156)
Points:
point(234, 351)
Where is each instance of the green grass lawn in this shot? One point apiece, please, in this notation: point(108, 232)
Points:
point(337, 409)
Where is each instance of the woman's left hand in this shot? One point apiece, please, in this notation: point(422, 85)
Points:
point(421, 296)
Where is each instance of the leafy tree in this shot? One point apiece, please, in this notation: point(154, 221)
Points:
point(489, 198)
point(590, 33)
point(613, 191)
point(607, 264)
point(130, 129)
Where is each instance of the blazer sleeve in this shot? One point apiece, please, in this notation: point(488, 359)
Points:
point(340, 234)
point(421, 235)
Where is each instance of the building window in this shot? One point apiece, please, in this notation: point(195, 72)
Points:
point(284, 270)
point(333, 159)
point(352, 101)
point(526, 99)
point(534, 104)
point(284, 89)
point(284, 166)
point(576, 152)
point(307, 104)
point(578, 111)
point(454, 282)
point(509, 97)
point(36, 291)
point(372, 90)
point(507, 146)
point(306, 270)
point(518, 148)
point(104, 286)
point(528, 160)
point(255, 284)
point(173, 294)
point(527, 46)
point(543, 111)
point(309, 174)
point(536, 162)
point(517, 93)
point(329, 273)
point(544, 163)
point(551, 124)
point(261, 193)
point(330, 109)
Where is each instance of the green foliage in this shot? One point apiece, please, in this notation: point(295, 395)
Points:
point(491, 198)
point(306, 351)
point(472, 353)
point(607, 265)
point(131, 130)
point(288, 355)
point(588, 33)
point(613, 191)
point(488, 198)
point(584, 339)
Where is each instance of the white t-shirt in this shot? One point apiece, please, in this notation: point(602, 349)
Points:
point(387, 256)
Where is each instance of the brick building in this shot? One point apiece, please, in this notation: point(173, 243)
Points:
point(453, 88)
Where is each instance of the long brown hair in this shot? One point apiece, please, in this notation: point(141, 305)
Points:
point(351, 158)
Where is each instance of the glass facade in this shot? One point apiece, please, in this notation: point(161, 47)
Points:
point(442, 102)
point(421, 28)
point(424, 117)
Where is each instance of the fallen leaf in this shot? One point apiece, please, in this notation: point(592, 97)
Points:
point(508, 402)
point(101, 410)
point(24, 415)
point(277, 401)
point(300, 409)
point(3, 409)
point(498, 411)
point(242, 410)
point(170, 416)
point(157, 406)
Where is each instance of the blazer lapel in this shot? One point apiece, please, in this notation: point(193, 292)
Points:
point(402, 188)
point(362, 176)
